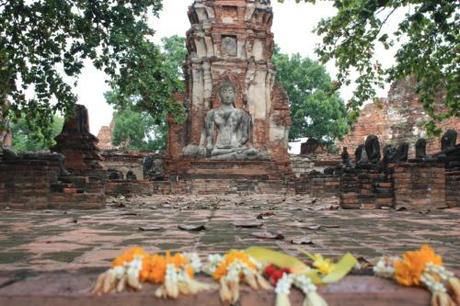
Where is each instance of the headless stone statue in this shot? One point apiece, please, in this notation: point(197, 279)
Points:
point(420, 149)
point(389, 154)
point(392, 154)
point(402, 152)
point(226, 131)
point(346, 160)
point(448, 140)
point(361, 155)
point(372, 146)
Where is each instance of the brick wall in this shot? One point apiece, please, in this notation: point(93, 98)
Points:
point(318, 185)
point(398, 118)
point(303, 164)
point(124, 162)
point(35, 182)
point(453, 187)
point(122, 187)
point(453, 177)
point(366, 188)
point(223, 186)
point(420, 185)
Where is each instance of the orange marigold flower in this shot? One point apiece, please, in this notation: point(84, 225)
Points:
point(154, 267)
point(229, 258)
point(128, 256)
point(410, 268)
point(178, 259)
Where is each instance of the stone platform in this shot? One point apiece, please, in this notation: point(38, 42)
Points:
point(227, 169)
point(73, 290)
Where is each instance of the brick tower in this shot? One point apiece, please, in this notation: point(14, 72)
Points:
point(231, 41)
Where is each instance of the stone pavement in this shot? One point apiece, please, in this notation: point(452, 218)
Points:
point(53, 240)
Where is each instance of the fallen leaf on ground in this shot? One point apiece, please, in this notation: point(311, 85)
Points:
point(330, 226)
point(302, 241)
point(192, 227)
point(265, 215)
point(248, 224)
point(128, 214)
point(313, 227)
point(268, 235)
point(150, 229)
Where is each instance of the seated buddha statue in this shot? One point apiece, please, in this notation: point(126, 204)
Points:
point(226, 130)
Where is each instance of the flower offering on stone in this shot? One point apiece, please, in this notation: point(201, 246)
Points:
point(174, 273)
point(422, 267)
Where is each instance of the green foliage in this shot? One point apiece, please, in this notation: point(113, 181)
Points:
point(316, 111)
point(137, 131)
point(428, 41)
point(25, 139)
point(175, 52)
point(137, 125)
point(39, 39)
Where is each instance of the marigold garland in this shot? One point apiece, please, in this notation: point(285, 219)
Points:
point(230, 269)
point(175, 274)
point(409, 269)
point(422, 267)
point(135, 266)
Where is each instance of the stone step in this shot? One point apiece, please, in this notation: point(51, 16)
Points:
point(234, 169)
point(220, 175)
point(72, 289)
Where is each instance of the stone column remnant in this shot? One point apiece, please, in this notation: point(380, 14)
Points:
point(77, 144)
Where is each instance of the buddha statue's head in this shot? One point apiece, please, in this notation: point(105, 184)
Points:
point(227, 93)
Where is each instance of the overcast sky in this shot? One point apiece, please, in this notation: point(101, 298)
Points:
point(292, 25)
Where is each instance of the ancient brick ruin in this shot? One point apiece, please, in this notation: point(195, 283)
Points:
point(71, 178)
point(230, 44)
point(105, 136)
point(396, 119)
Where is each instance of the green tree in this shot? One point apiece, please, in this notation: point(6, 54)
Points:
point(315, 111)
point(135, 127)
point(175, 53)
point(25, 139)
point(137, 131)
point(40, 39)
point(427, 43)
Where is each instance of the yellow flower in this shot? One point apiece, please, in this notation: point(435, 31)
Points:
point(324, 265)
point(229, 258)
point(410, 268)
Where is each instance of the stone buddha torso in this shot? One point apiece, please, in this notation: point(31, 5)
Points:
point(226, 131)
point(226, 128)
point(230, 127)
